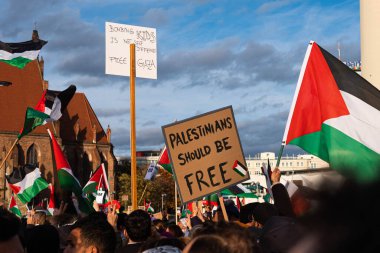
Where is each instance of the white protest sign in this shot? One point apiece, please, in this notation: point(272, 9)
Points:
point(118, 39)
point(100, 196)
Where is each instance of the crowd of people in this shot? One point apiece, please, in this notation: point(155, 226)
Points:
point(335, 220)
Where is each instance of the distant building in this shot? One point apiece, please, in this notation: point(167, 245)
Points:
point(287, 164)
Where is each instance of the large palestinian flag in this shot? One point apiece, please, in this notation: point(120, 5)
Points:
point(335, 116)
point(20, 54)
point(26, 182)
point(66, 178)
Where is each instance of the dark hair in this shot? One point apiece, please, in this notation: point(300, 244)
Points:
point(209, 244)
point(237, 238)
point(9, 224)
point(175, 230)
point(95, 230)
point(138, 225)
point(42, 239)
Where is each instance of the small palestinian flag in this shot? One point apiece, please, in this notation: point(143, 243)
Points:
point(20, 54)
point(335, 115)
point(211, 200)
point(149, 208)
point(97, 181)
point(13, 208)
point(54, 103)
point(164, 161)
point(26, 182)
point(51, 205)
point(240, 168)
point(33, 119)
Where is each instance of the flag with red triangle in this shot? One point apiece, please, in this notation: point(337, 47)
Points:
point(335, 116)
point(51, 205)
point(13, 207)
point(66, 178)
point(164, 161)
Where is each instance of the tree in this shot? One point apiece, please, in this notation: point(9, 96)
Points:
point(162, 184)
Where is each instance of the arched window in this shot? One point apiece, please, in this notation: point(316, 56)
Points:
point(32, 155)
point(18, 156)
point(86, 168)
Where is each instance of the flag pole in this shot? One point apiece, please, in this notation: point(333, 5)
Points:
point(9, 152)
point(175, 203)
point(280, 155)
point(142, 195)
point(133, 130)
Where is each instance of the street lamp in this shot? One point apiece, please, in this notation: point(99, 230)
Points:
point(162, 201)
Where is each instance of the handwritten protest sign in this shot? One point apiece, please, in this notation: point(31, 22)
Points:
point(206, 153)
point(118, 39)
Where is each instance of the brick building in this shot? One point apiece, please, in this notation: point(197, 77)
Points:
point(82, 137)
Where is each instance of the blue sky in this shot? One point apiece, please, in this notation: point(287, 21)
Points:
point(211, 54)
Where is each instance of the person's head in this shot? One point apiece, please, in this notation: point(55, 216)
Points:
point(237, 238)
point(9, 239)
point(175, 230)
point(42, 239)
point(39, 217)
point(91, 234)
point(138, 226)
point(259, 212)
point(207, 244)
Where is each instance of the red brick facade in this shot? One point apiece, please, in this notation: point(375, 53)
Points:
point(79, 131)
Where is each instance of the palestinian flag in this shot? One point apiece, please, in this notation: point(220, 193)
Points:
point(239, 168)
point(51, 204)
point(335, 116)
point(149, 208)
point(66, 178)
point(20, 54)
point(164, 161)
point(13, 208)
point(98, 180)
point(26, 182)
point(33, 119)
point(211, 200)
point(54, 103)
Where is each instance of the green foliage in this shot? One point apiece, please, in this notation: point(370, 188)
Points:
point(162, 184)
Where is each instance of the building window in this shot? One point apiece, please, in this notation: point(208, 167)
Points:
point(301, 163)
point(290, 163)
point(32, 156)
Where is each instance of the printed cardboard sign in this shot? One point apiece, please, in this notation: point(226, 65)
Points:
point(206, 153)
point(118, 39)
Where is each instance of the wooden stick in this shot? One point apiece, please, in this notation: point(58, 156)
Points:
point(8, 154)
point(133, 129)
point(222, 206)
point(142, 195)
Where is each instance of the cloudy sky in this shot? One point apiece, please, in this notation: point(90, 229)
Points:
point(211, 54)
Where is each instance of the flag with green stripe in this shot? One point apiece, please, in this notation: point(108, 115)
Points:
point(21, 53)
point(335, 115)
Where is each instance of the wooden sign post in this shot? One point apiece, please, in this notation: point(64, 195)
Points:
point(142, 43)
